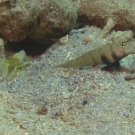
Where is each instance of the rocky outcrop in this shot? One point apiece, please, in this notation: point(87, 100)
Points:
point(45, 20)
point(97, 12)
point(40, 20)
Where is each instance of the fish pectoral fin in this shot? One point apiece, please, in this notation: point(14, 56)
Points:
point(113, 67)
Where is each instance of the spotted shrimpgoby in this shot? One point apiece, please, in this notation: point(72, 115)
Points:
point(106, 54)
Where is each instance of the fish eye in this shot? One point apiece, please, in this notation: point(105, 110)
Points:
point(124, 43)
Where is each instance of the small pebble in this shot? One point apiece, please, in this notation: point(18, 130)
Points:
point(85, 102)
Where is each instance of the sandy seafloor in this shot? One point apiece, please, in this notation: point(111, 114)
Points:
point(44, 100)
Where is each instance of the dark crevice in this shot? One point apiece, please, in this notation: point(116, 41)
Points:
point(32, 48)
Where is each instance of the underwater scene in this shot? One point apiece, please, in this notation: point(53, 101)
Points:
point(67, 67)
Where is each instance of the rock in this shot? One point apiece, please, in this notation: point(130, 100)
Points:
point(17, 19)
point(58, 18)
point(97, 13)
point(41, 20)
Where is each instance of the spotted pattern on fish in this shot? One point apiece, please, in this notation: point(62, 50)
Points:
point(107, 54)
